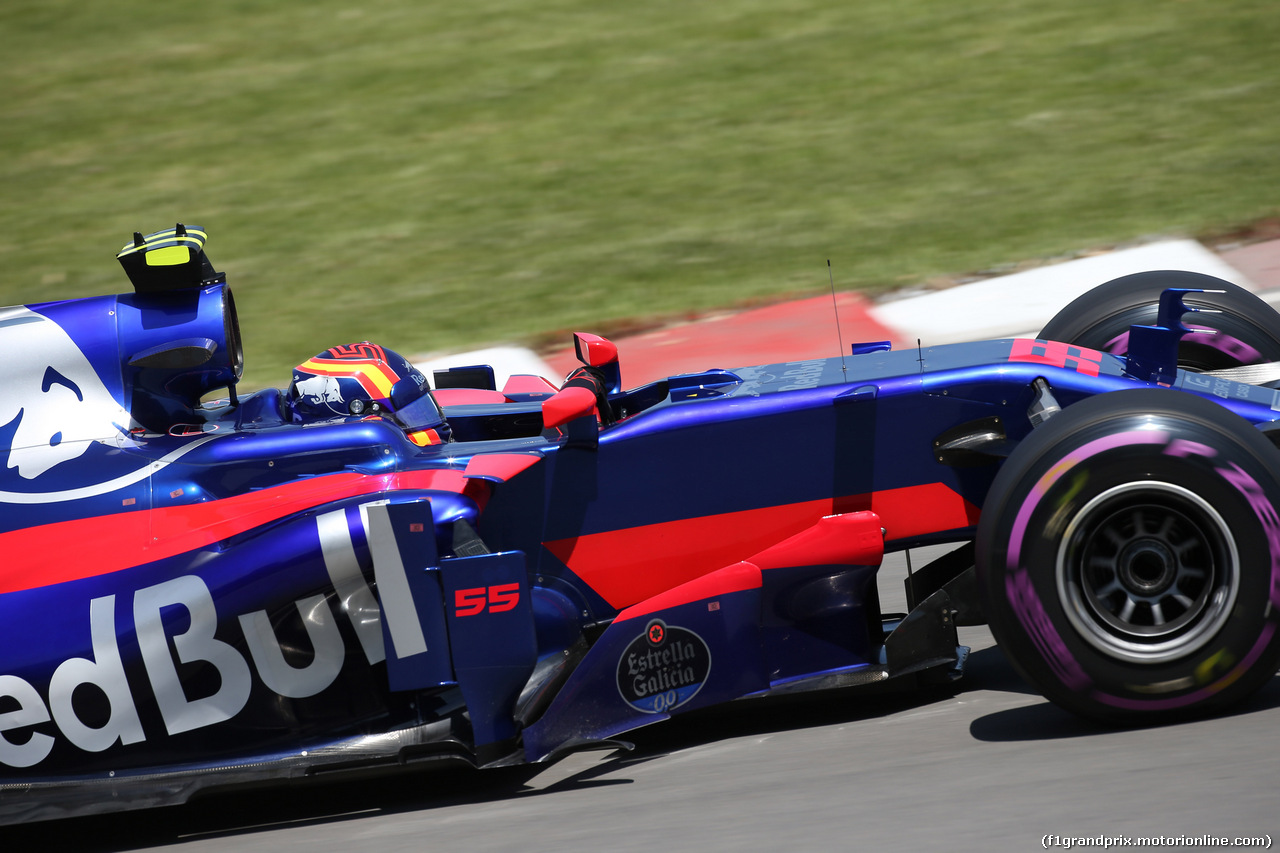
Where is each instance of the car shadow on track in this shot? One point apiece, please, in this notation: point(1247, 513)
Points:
point(248, 811)
point(310, 802)
point(753, 718)
point(301, 803)
point(1046, 721)
point(989, 669)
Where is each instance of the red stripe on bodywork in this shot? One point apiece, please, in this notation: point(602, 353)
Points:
point(630, 565)
point(852, 539)
point(736, 578)
point(916, 510)
point(89, 547)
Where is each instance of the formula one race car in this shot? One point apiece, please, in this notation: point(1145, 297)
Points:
point(369, 568)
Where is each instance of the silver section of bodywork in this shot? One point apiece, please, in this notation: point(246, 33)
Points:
point(393, 584)
point(356, 598)
point(268, 658)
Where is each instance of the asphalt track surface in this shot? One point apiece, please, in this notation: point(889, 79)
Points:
point(988, 765)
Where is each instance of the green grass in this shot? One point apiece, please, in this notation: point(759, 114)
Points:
point(440, 175)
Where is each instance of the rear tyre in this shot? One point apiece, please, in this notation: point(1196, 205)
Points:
point(1129, 557)
point(1248, 329)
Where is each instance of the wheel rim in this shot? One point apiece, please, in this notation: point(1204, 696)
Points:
point(1148, 572)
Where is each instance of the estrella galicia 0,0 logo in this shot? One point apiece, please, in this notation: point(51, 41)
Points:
point(663, 668)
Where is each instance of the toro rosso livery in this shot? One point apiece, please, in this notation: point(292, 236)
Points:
point(371, 567)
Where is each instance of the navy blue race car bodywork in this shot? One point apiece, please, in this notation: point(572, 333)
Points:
point(197, 594)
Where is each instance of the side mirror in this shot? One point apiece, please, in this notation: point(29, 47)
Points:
point(593, 350)
point(602, 354)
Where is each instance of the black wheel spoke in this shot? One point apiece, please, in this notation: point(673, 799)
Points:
point(1145, 569)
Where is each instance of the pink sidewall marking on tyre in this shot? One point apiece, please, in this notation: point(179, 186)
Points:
point(1075, 457)
point(1035, 621)
point(1203, 693)
point(1266, 513)
point(1223, 343)
point(1262, 507)
point(1022, 596)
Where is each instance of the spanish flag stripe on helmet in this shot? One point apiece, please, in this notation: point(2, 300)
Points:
point(425, 437)
point(363, 362)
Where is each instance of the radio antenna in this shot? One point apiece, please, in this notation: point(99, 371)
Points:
point(836, 309)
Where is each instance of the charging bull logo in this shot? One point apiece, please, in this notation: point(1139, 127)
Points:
point(319, 390)
point(53, 393)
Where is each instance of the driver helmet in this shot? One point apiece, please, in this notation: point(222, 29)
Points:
point(366, 380)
